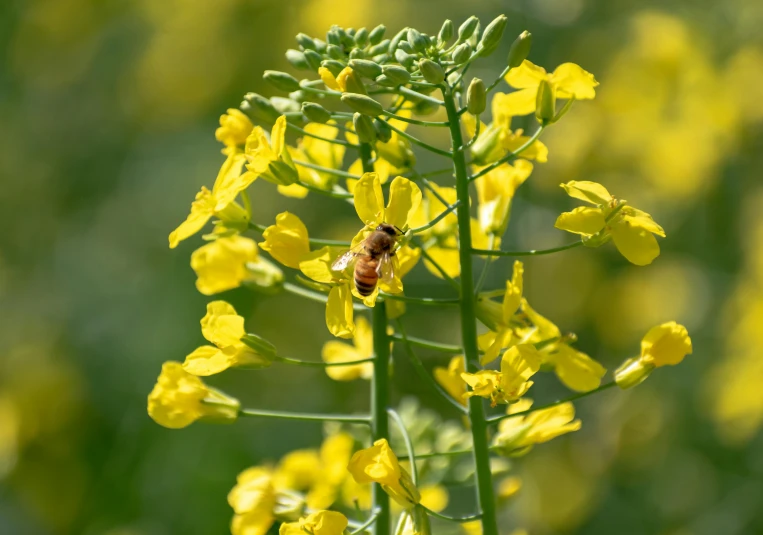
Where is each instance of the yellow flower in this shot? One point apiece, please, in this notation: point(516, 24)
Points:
point(380, 465)
point(319, 523)
point(253, 500)
point(218, 202)
point(567, 81)
point(287, 241)
point(179, 399)
point(663, 345)
point(450, 378)
point(495, 191)
point(631, 229)
point(335, 453)
point(504, 337)
point(362, 348)
point(224, 328)
point(221, 264)
point(518, 364)
point(517, 435)
point(318, 152)
point(297, 470)
point(234, 128)
point(433, 497)
point(271, 159)
point(404, 199)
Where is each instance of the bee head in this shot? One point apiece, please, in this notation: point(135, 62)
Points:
point(388, 229)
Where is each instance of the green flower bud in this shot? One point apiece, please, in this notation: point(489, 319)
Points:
point(261, 109)
point(315, 112)
point(366, 68)
point(313, 59)
point(487, 148)
point(476, 97)
point(491, 37)
point(432, 72)
point(357, 53)
point(467, 28)
point(333, 36)
point(383, 131)
point(377, 34)
point(402, 34)
point(404, 59)
point(406, 47)
point(632, 372)
point(417, 41)
point(284, 105)
point(462, 53)
point(396, 74)
point(364, 127)
point(334, 52)
point(520, 49)
point(261, 347)
point(281, 80)
point(425, 107)
point(362, 104)
point(333, 65)
point(297, 59)
point(379, 49)
point(545, 103)
point(320, 45)
point(361, 37)
point(305, 41)
point(446, 33)
point(385, 81)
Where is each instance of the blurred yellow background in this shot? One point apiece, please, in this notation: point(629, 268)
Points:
point(108, 113)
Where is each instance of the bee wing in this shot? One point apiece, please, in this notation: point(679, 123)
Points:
point(344, 260)
point(386, 268)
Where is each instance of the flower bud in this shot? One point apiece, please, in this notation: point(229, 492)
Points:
point(396, 74)
point(362, 104)
point(406, 47)
point(385, 81)
point(377, 34)
point(446, 33)
point(402, 34)
point(545, 103)
point(520, 49)
point(491, 37)
point(425, 107)
point(487, 148)
point(334, 52)
point(281, 80)
point(305, 41)
point(383, 131)
point(333, 66)
point(364, 127)
point(476, 97)
point(313, 59)
point(403, 58)
point(315, 112)
point(261, 109)
point(357, 53)
point(462, 53)
point(349, 82)
point(260, 346)
point(380, 49)
point(417, 41)
point(367, 68)
point(432, 72)
point(632, 372)
point(333, 37)
point(297, 59)
point(264, 276)
point(361, 37)
point(320, 45)
point(284, 105)
point(467, 28)
point(490, 313)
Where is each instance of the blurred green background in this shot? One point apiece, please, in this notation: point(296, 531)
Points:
point(108, 110)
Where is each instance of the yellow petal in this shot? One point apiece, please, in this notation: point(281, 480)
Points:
point(637, 245)
point(328, 78)
point(527, 75)
point(202, 209)
point(339, 317)
point(294, 191)
point(447, 259)
point(404, 199)
point(369, 200)
point(450, 378)
point(221, 325)
point(518, 364)
point(503, 340)
point(231, 181)
point(221, 264)
point(278, 136)
point(334, 351)
point(287, 240)
point(571, 80)
point(206, 360)
point(583, 220)
point(521, 102)
point(666, 344)
point(584, 190)
point(513, 296)
point(317, 264)
point(576, 370)
point(639, 218)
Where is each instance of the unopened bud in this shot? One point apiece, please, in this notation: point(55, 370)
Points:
point(315, 112)
point(313, 59)
point(264, 276)
point(361, 37)
point(491, 37)
point(405, 59)
point(632, 372)
point(357, 53)
point(333, 37)
point(281, 80)
point(334, 52)
point(362, 104)
point(545, 103)
point(431, 71)
point(476, 97)
point(364, 127)
point(305, 41)
point(367, 68)
point(262, 348)
point(402, 34)
point(383, 131)
point(417, 41)
point(261, 109)
point(467, 28)
point(333, 66)
point(396, 74)
point(380, 49)
point(462, 53)
point(297, 59)
point(520, 49)
point(377, 34)
point(446, 33)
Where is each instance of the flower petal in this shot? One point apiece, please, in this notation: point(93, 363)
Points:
point(369, 200)
point(287, 240)
point(576, 370)
point(317, 264)
point(583, 220)
point(231, 181)
point(571, 80)
point(202, 209)
point(521, 102)
point(404, 199)
point(339, 318)
point(206, 360)
point(666, 344)
point(527, 75)
point(637, 245)
point(221, 325)
point(639, 218)
point(585, 190)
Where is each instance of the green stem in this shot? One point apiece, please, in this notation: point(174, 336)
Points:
point(509, 157)
point(417, 141)
point(433, 173)
point(534, 252)
point(461, 519)
point(605, 386)
point(408, 444)
point(329, 170)
point(414, 121)
point(436, 220)
point(428, 344)
point(364, 525)
point(433, 301)
point(486, 267)
point(327, 193)
point(498, 80)
point(419, 96)
point(435, 454)
point(313, 296)
point(309, 364)
point(305, 416)
point(316, 136)
point(485, 496)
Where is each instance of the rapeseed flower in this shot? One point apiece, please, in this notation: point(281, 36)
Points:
point(362, 348)
point(518, 364)
point(517, 435)
point(270, 159)
point(318, 523)
point(379, 464)
point(234, 128)
point(450, 378)
point(221, 264)
point(663, 345)
point(567, 81)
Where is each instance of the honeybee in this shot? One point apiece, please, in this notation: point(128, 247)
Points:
point(374, 259)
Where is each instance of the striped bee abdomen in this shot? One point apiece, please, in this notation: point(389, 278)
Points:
point(366, 276)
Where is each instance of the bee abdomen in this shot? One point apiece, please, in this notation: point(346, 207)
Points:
point(366, 276)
